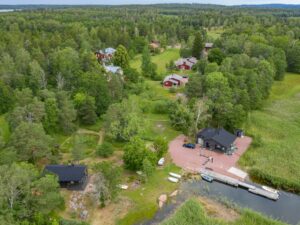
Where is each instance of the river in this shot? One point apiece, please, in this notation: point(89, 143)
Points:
point(286, 209)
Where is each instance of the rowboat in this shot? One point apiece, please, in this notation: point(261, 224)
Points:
point(207, 177)
point(175, 175)
point(123, 186)
point(270, 189)
point(161, 162)
point(173, 179)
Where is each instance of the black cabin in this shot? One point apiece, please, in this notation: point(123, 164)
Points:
point(216, 139)
point(69, 176)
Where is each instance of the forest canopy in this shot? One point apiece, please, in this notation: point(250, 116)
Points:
point(51, 83)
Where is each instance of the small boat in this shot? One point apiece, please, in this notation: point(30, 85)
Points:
point(207, 177)
point(175, 175)
point(173, 179)
point(123, 186)
point(161, 162)
point(270, 189)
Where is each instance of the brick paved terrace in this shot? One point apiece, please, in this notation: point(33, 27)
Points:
point(191, 160)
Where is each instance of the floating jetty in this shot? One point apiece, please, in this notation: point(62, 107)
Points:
point(262, 192)
point(236, 183)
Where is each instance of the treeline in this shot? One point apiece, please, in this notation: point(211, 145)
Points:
point(238, 73)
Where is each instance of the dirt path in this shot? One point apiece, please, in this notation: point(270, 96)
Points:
point(100, 134)
point(85, 131)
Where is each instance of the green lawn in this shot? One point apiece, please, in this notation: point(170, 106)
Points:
point(4, 128)
point(159, 125)
point(160, 60)
point(192, 213)
point(276, 160)
point(158, 90)
point(145, 197)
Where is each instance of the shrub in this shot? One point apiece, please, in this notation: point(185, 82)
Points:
point(162, 106)
point(105, 150)
point(161, 146)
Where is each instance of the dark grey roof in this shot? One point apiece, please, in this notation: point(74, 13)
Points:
point(219, 135)
point(67, 173)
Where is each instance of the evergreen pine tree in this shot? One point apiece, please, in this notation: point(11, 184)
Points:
point(198, 45)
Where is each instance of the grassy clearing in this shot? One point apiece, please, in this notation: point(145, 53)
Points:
point(160, 60)
point(287, 88)
point(145, 197)
point(215, 33)
point(159, 126)
point(158, 90)
point(95, 127)
point(275, 159)
point(4, 128)
point(192, 212)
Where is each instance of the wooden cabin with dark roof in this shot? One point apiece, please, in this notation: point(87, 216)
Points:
point(217, 139)
point(69, 176)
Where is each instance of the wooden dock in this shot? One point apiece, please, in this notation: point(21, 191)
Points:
point(222, 178)
point(236, 183)
point(264, 193)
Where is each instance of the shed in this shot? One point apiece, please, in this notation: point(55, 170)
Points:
point(113, 69)
point(208, 46)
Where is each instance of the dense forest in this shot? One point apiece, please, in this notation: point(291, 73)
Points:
point(51, 83)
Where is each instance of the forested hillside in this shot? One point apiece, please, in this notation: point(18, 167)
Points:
point(52, 87)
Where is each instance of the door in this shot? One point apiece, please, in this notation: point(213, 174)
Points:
point(200, 141)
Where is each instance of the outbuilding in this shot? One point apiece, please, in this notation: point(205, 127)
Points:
point(208, 46)
point(113, 69)
point(185, 63)
point(174, 80)
point(216, 139)
point(69, 176)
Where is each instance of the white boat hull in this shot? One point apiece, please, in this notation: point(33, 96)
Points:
point(173, 180)
point(175, 175)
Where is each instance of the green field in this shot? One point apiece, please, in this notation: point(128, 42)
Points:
point(274, 158)
point(192, 212)
point(160, 60)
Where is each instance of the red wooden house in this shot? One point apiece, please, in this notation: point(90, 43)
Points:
point(174, 80)
point(105, 55)
point(185, 63)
